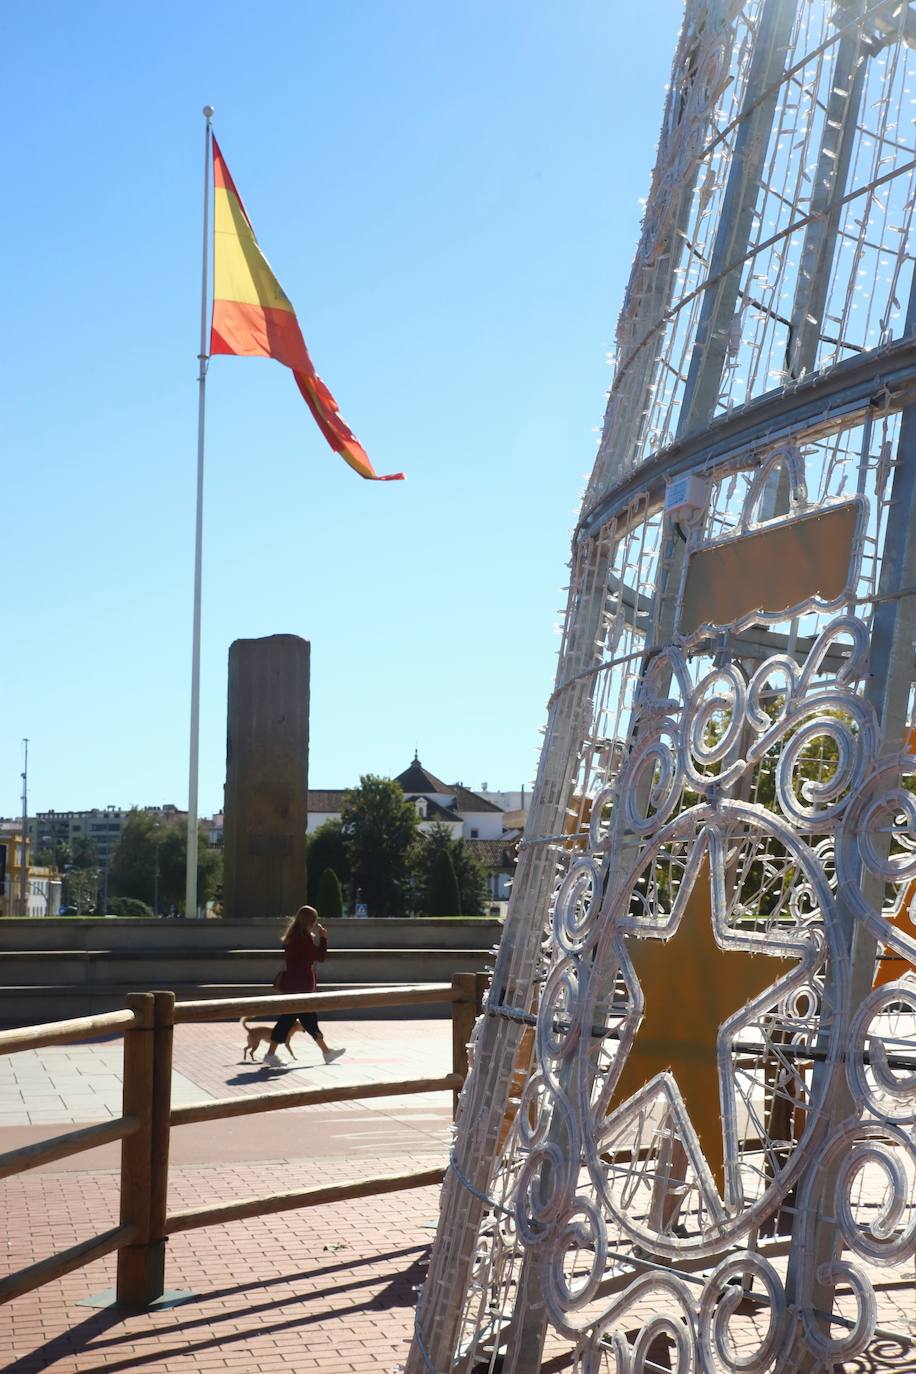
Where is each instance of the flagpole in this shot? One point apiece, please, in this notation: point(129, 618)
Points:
point(190, 904)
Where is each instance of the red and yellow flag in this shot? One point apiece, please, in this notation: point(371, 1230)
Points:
point(252, 317)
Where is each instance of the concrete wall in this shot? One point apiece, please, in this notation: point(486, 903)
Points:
point(55, 968)
point(266, 810)
point(459, 932)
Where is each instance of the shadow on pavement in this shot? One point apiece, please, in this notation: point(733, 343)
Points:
point(398, 1291)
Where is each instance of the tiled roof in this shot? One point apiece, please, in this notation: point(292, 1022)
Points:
point(470, 801)
point(501, 854)
point(435, 811)
point(417, 779)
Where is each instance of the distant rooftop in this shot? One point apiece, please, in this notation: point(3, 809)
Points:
point(418, 779)
point(415, 781)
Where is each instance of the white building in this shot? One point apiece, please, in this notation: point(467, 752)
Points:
point(491, 822)
point(102, 826)
point(468, 815)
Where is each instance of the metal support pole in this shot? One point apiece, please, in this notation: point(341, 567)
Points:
point(191, 869)
point(24, 852)
point(819, 247)
point(736, 220)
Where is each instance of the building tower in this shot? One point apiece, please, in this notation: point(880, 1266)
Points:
point(695, 1065)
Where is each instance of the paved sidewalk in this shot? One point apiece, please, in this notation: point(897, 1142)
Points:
point(330, 1289)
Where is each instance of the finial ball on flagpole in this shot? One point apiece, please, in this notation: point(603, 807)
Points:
point(208, 112)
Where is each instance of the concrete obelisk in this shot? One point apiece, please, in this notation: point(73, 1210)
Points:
point(266, 807)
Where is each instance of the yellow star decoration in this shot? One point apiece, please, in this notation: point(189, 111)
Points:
point(893, 965)
point(690, 986)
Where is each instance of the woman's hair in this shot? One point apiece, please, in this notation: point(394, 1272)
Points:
point(303, 921)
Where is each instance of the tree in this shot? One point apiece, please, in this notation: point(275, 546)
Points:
point(329, 900)
point(150, 860)
point(79, 870)
point(469, 872)
point(85, 852)
point(379, 829)
point(128, 906)
point(134, 863)
point(79, 866)
point(442, 896)
point(326, 848)
point(80, 889)
point(58, 856)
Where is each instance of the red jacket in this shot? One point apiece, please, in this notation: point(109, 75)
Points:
point(302, 954)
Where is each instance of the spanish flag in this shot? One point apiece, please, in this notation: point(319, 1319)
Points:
point(252, 318)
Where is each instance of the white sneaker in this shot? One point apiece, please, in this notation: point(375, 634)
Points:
point(272, 1059)
point(331, 1055)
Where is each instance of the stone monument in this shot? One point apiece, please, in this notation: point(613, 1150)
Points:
point(267, 746)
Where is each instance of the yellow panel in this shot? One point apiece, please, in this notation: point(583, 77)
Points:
point(772, 570)
point(240, 270)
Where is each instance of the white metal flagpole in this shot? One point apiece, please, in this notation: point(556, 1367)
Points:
point(190, 904)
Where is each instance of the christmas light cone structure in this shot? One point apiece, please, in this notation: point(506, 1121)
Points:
point(691, 1071)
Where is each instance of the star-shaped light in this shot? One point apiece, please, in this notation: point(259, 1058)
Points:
point(690, 985)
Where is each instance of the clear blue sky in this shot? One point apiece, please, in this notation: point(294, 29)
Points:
point(449, 194)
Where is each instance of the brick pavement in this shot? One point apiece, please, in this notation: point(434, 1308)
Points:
point(330, 1289)
point(317, 1289)
point(83, 1082)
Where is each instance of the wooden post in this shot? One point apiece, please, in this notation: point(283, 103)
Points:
point(136, 1278)
point(160, 1133)
point(464, 1014)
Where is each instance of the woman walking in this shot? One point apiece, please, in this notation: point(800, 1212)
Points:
point(302, 952)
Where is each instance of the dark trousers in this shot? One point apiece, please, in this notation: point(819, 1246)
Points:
point(308, 1021)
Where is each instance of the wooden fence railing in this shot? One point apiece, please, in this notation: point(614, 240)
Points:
point(144, 1127)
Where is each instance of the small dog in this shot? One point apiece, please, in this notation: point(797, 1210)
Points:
point(260, 1035)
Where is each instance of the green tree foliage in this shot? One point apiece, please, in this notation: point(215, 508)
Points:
point(80, 877)
point(135, 861)
point(59, 856)
point(85, 852)
point(329, 900)
point(327, 848)
point(79, 870)
point(759, 894)
point(442, 897)
point(80, 888)
point(128, 906)
point(470, 875)
point(379, 829)
point(150, 859)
